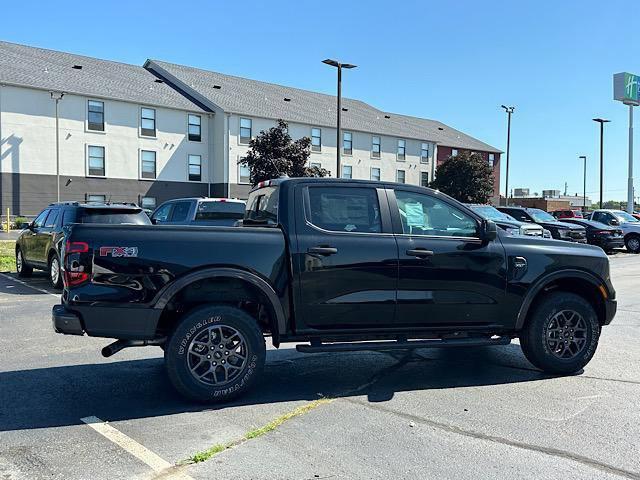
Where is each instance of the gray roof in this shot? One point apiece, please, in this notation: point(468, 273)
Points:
point(52, 70)
point(260, 99)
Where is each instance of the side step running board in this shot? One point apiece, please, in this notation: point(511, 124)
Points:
point(402, 345)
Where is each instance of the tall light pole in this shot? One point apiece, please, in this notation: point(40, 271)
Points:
point(630, 202)
point(584, 184)
point(339, 66)
point(509, 111)
point(601, 121)
point(57, 96)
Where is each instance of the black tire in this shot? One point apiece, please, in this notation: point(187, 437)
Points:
point(23, 269)
point(541, 340)
point(632, 243)
point(54, 278)
point(184, 352)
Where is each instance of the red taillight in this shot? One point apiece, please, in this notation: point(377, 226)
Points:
point(74, 273)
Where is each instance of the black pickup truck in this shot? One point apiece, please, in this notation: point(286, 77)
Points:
point(333, 265)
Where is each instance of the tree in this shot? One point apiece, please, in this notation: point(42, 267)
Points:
point(467, 177)
point(273, 153)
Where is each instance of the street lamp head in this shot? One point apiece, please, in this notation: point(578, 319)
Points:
point(348, 65)
point(56, 95)
point(601, 120)
point(331, 62)
point(582, 157)
point(508, 109)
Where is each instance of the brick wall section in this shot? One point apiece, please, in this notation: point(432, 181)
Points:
point(546, 204)
point(445, 152)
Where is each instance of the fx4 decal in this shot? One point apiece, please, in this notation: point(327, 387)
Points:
point(119, 251)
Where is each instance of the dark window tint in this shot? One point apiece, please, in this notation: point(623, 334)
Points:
point(52, 218)
point(220, 211)
point(113, 216)
point(180, 211)
point(343, 209)
point(518, 214)
point(422, 214)
point(39, 221)
point(95, 116)
point(68, 216)
point(262, 206)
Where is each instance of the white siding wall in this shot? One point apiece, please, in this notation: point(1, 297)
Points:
point(360, 160)
point(28, 131)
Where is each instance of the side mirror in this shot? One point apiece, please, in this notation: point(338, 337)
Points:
point(488, 231)
point(154, 221)
point(614, 222)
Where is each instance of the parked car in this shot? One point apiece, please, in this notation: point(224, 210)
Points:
point(507, 222)
point(572, 213)
point(199, 211)
point(599, 234)
point(38, 246)
point(340, 265)
point(629, 224)
point(559, 230)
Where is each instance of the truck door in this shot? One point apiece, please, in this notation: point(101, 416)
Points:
point(447, 275)
point(346, 258)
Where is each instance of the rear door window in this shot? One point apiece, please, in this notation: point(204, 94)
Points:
point(180, 211)
point(40, 219)
point(262, 206)
point(52, 218)
point(343, 209)
point(220, 211)
point(162, 214)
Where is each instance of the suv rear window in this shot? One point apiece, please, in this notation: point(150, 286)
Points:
point(220, 211)
point(262, 207)
point(132, 216)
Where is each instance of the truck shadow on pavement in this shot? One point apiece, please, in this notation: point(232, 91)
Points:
point(113, 391)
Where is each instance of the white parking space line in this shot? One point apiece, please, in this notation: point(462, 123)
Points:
point(42, 290)
point(139, 451)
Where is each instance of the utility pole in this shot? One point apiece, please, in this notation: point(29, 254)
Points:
point(57, 96)
point(509, 111)
point(630, 180)
point(339, 66)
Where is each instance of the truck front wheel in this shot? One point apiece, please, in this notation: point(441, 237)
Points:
point(562, 333)
point(215, 354)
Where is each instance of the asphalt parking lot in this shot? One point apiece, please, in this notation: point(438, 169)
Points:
point(472, 413)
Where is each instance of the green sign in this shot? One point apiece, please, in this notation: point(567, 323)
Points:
point(626, 88)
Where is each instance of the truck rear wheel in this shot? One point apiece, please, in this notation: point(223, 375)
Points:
point(215, 354)
point(562, 334)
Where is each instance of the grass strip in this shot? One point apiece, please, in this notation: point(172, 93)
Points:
point(7, 256)
point(256, 432)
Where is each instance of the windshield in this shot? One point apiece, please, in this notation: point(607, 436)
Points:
point(220, 211)
point(113, 216)
point(540, 215)
point(625, 217)
point(492, 213)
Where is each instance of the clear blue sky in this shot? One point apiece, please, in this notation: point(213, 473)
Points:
point(452, 61)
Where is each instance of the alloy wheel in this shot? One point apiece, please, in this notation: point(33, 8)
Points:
point(633, 244)
point(19, 262)
point(55, 270)
point(217, 355)
point(566, 334)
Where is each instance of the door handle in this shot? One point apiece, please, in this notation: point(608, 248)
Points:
point(325, 251)
point(420, 253)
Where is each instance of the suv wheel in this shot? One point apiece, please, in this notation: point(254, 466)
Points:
point(55, 273)
point(632, 242)
point(562, 334)
point(215, 353)
point(22, 268)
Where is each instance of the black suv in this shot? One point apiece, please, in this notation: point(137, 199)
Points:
point(38, 246)
point(559, 230)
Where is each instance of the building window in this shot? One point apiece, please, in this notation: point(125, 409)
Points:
point(454, 152)
point(195, 168)
point(346, 171)
point(375, 174)
point(148, 122)
point(96, 161)
point(424, 179)
point(96, 198)
point(315, 165)
point(195, 128)
point(244, 174)
point(402, 148)
point(375, 147)
point(347, 143)
point(316, 140)
point(245, 130)
point(492, 158)
point(95, 116)
point(147, 164)
point(148, 202)
point(400, 176)
point(424, 153)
